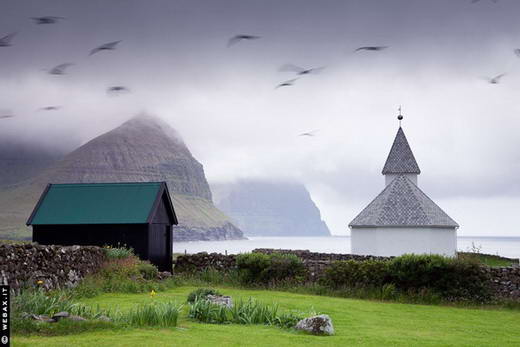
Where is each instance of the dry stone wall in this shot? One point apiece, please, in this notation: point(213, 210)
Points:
point(505, 281)
point(50, 267)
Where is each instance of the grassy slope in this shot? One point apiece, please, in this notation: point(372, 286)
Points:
point(356, 322)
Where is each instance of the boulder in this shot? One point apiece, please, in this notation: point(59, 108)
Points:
point(220, 300)
point(316, 325)
point(60, 315)
point(77, 318)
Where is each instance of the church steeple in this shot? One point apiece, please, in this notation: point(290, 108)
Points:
point(401, 160)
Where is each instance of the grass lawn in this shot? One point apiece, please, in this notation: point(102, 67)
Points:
point(357, 322)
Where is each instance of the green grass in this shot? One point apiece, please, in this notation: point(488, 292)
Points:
point(488, 259)
point(357, 322)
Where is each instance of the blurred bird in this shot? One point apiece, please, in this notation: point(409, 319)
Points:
point(60, 69)
point(310, 133)
point(6, 116)
point(47, 19)
point(237, 38)
point(300, 70)
point(475, 1)
point(105, 47)
point(517, 52)
point(6, 40)
point(370, 48)
point(496, 79)
point(49, 108)
point(286, 83)
point(115, 90)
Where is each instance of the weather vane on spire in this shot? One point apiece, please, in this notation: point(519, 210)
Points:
point(400, 116)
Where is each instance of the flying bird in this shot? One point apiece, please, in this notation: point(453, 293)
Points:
point(300, 70)
point(49, 108)
point(116, 90)
point(60, 69)
point(309, 133)
point(370, 48)
point(237, 38)
point(496, 79)
point(286, 83)
point(475, 1)
point(6, 40)
point(47, 19)
point(517, 52)
point(6, 116)
point(105, 47)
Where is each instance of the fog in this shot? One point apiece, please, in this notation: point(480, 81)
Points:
point(174, 59)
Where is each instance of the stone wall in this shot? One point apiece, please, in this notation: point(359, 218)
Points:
point(200, 261)
point(505, 281)
point(47, 266)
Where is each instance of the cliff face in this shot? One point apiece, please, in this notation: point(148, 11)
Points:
point(142, 149)
point(271, 209)
point(21, 160)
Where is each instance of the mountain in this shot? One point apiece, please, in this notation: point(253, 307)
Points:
point(21, 160)
point(262, 208)
point(142, 149)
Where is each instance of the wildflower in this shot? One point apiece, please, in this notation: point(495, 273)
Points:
point(152, 293)
point(39, 282)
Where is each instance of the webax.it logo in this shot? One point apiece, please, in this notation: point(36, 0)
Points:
point(4, 309)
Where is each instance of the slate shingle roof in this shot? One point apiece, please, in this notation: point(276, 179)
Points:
point(402, 204)
point(400, 159)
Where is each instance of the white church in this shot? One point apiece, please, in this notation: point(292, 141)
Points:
point(402, 218)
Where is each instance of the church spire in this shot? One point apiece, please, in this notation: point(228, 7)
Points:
point(401, 160)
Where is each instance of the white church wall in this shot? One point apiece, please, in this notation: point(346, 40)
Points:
point(389, 178)
point(397, 241)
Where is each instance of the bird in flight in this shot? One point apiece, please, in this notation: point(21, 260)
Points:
point(49, 108)
point(237, 38)
point(309, 133)
point(6, 40)
point(105, 47)
point(496, 79)
point(370, 48)
point(475, 1)
point(300, 70)
point(47, 19)
point(517, 52)
point(6, 116)
point(60, 69)
point(116, 90)
point(286, 83)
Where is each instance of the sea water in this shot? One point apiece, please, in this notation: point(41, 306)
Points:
point(503, 246)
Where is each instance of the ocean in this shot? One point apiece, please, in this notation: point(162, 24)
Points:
point(503, 246)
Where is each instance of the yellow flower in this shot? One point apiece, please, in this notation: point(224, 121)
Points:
point(39, 282)
point(152, 293)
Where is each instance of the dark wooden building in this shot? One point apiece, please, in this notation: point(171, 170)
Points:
point(138, 215)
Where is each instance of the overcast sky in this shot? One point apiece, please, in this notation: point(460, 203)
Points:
point(174, 59)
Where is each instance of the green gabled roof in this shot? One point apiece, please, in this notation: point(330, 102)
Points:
point(97, 203)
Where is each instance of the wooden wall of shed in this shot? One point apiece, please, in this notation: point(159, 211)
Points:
point(130, 235)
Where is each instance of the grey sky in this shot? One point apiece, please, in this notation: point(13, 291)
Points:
point(174, 59)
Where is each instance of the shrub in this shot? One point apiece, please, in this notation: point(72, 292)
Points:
point(453, 279)
point(40, 302)
point(155, 314)
point(119, 252)
point(243, 312)
point(201, 293)
point(259, 268)
point(351, 273)
point(147, 270)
